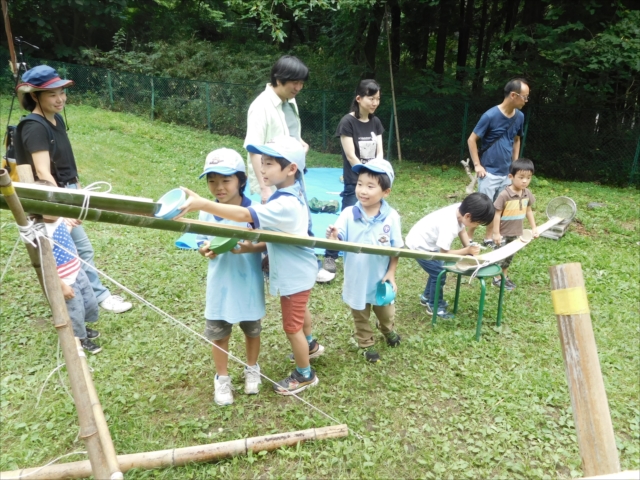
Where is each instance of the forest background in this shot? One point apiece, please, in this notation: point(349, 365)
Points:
point(450, 60)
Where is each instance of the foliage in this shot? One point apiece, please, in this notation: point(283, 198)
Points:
point(439, 406)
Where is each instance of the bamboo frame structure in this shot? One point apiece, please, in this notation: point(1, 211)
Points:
point(81, 383)
point(54, 202)
point(182, 456)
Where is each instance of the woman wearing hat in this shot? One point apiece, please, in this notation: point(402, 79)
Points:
point(42, 143)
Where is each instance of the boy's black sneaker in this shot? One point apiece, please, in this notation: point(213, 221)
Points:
point(370, 354)
point(295, 383)
point(315, 350)
point(89, 346)
point(442, 313)
point(393, 339)
point(489, 244)
point(508, 284)
point(92, 334)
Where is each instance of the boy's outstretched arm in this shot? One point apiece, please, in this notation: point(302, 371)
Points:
point(231, 212)
point(391, 273)
point(532, 222)
point(497, 238)
point(247, 246)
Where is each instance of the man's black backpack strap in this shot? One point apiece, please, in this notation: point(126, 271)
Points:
point(22, 156)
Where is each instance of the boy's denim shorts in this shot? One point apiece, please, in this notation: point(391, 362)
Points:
point(491, 185)
point(219, 329)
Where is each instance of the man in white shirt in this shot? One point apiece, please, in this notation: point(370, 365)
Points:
point(274, 113)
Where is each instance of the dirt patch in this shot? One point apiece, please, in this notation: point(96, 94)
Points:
point(631, 226)
point(580, 229)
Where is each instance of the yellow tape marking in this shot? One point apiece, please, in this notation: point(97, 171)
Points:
point(8, 190)
point(570, 301)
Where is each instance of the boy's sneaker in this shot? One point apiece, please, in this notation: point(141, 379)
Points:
point(393, 339)
point(222, 394)
point(92, 334)
point(329, 264)
point(315, 350)
point(424, 301)
point(442, 313)
point(295, 383)
point(508, 284)
point(252, 379)
point(370, 354)
point(324, 276)
point(89, 346)
point(115, 304)
point(489, 244)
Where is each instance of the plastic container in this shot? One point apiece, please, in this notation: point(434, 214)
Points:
point(170, 204)
point(221, 244)
point(385, 294)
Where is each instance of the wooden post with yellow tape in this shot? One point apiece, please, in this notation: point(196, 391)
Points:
point(586, 387)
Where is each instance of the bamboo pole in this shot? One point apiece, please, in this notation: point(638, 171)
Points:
point(50, 282)
point(101, 423)
point(393, 90)
point(582, 367)
point(182, 456)
point(12, 51)
point(99, 200)
point(205, 228)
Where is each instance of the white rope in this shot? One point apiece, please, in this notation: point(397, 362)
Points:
point(92, 187)
point(186, 327)
point(44, 466)
point(45, 382)
point(6, 267)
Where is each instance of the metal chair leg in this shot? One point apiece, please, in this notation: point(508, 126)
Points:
point(500, 298)
point(455, 305)
point(483, 289)
point(436, 300)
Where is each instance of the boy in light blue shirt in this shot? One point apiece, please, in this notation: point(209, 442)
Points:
point(229, 274)
point(371, 220)
point(292, 269)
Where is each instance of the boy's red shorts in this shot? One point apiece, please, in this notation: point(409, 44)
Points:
point(293, 308)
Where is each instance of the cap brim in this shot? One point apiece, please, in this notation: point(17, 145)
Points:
point(220, 170)
point(358, 167)
point(265, 150)
point(28, 87)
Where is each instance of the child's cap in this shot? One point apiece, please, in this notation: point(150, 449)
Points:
point(377, 165)
point(223, 161)
point(282, 146)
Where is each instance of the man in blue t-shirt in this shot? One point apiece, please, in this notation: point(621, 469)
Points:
point(499, 129)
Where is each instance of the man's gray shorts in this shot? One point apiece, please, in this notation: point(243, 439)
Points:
point(219, 329)
point(491, 185)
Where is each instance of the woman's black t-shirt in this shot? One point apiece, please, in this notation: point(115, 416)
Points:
point(35, 138)
point(364, 142)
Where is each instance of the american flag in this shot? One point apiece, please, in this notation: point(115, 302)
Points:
point(67, 264)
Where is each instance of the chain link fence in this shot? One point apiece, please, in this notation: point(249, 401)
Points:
point(565, 143)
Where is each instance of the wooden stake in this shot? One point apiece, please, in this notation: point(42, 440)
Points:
point(25, 174)
point(50, 282)
point(586, 387)
point(12, 50)
point(182, 456)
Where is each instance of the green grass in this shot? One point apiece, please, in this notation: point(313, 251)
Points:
point(439, 406)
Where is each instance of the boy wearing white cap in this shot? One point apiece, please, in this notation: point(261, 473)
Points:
point(292, 269)
point(229, 274)
point(371, 220)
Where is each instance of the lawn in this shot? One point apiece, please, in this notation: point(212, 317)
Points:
point(439, 406)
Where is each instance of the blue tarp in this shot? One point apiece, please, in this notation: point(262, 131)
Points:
point(322, 183)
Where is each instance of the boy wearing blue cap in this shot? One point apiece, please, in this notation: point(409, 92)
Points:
point(371, 220)
point(292, 269)
point(228, 274)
